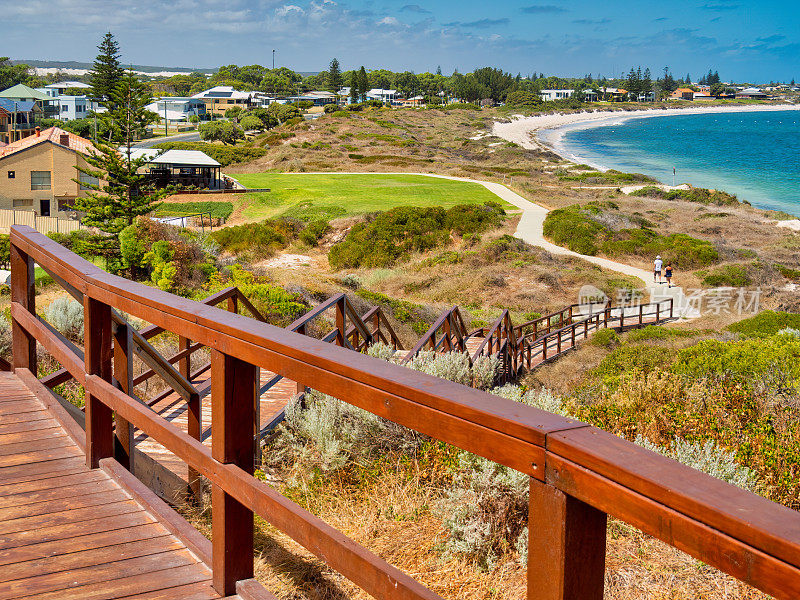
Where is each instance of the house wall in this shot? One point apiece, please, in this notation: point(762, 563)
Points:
point(60, 161)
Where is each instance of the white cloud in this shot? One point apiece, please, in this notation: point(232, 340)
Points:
point(389, 21)
point(283, 11)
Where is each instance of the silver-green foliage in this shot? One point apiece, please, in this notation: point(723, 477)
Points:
point(381, 350)
point(707, 457)
point(5, 337)
point(66, 315)
point(455, 366)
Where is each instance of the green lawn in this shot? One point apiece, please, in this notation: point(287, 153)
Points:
point(218, 210)
point(331, 196)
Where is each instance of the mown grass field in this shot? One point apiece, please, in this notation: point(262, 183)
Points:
point(333, 196)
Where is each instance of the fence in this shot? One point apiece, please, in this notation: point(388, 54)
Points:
point(578, 474)
point(12, 216)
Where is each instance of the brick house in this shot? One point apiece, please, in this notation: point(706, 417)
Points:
point(37, 172)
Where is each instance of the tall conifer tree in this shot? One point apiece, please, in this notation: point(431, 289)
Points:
point(106, 72)
point(334, 76)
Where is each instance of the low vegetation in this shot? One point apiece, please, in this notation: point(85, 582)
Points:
point(693, 194)
point(261, 240)
point(390, 237)
point(216, 209)
point(597, 228)
point(224, 155)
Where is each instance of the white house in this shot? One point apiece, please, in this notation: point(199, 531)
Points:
point(177, 108)
point(385, 96)
point(57, 89)
point(548, 95)
point(319, 97)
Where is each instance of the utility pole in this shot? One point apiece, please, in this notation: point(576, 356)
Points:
point(166, 123)
point(273, 60)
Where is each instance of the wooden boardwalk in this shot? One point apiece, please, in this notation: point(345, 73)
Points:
point(174, 409)
point(67, 532)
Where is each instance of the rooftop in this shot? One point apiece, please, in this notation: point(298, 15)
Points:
point(67, 85)
point(53, 135)
point(10, 105)
point(23, 91)
point(189, 158)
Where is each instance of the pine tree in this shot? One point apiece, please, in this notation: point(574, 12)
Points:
point(363, 82)
point(439, 70)
point(334, 76)
point(688, 79)
point(106, 72)
point(354, 85)
point(124, 194)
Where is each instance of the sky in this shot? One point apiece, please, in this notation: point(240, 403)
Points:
point(745, 40)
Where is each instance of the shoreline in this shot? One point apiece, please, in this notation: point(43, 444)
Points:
point(544, 132)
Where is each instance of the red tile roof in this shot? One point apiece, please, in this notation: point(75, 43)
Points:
point(53, 134)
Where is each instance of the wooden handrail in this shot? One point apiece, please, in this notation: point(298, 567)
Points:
point(577, 473)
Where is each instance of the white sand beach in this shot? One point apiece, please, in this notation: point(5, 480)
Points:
point(545, 131)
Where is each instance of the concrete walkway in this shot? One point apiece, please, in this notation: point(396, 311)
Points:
point(531, 230)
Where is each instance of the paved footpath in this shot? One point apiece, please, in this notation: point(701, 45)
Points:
point(531, 230)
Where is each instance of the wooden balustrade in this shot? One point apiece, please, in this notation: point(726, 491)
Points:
point(578, 474)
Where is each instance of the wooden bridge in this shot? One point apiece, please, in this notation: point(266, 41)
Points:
point(77, 522)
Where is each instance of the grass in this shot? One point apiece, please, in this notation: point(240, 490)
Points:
point(332, 196)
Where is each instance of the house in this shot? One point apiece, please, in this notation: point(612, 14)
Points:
point(646, 97)
point(222, 97)
point(37, 172)
point(549, 95)
point(178, 109)
point(70, 108)
point(682, 94)
point(614, 94)
point(19, 119)
point(385, 96)
point(702, 97)
point(65, 87)
point(22, 93)
point(319, 98)
point(181, 167)
point(751, 94)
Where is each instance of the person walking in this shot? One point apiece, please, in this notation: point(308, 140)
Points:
point(668, 274)
point(657, 263)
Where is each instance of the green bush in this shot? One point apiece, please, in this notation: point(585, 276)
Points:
point(727, 276)
point(523, 98)
point(314, 230)
point(627, 358)
point(265, 237)
point(390, 237)
point(224, 155)
point(765, 323)
point(657, 332)
point(693, 194)
point(5, 251)
point(605, 338)
point(578, 229)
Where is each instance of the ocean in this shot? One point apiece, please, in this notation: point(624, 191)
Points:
point(755, 155)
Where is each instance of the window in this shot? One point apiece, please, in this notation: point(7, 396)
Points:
point(22, 202)
point(87, 179)
point(11, 174)
point(40, 180)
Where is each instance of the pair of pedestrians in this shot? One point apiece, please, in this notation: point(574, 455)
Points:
point(657, 271)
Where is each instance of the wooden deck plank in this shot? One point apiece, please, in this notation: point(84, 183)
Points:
point(42, 470)
point(80, 543)
point(126, 586)
point(70, 532)
point(64, 504)
point(50, 482)
point(67, 517)
point(193, 591)
point(29, 569)
point(97, 575)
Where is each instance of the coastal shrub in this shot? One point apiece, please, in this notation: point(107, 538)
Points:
point(164, 269)
point(263, 238)
point(584, 229)
point(605, 338)
point(313, 231)
point(390, 237)
point(523, 98)
point(767, 322)
point(628, 358)
point(224, 155)
point(728, 275)
point(657, 332)
point(381, 351)
point(5, 251)
point(66, 315)
point(793, 274)
point(278, 306)
point(402, 310)
point(5, 337)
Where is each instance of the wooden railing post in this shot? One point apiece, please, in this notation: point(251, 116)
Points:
point(658, 311)
point(566, 546)
point(233, 304)
point(184, 365)
point(671, 303)
point(544, 347)
point(232, 412)
point(641, 310)
point(23, 291)
point(123, 374)
point(301, 387)
point(98, 353)
point(340, 321)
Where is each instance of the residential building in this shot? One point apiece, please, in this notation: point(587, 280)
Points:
point(682, 94)
point(70, 108)
point(181, 167)
point(65, 87)
point(22, 93)
point(613, 94)
point(385, 96)
point(318, 97)
point(37, 172)
point(178, 109)
point(18, 119)
point(702, 97)
point(550, 95)
point(751, 94)
point(222, 97)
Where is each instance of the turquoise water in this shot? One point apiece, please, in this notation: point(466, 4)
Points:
point(755, 155)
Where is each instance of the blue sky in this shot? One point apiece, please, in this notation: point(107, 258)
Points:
point(743, 39)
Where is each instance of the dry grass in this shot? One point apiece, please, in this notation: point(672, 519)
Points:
point(394, 516)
